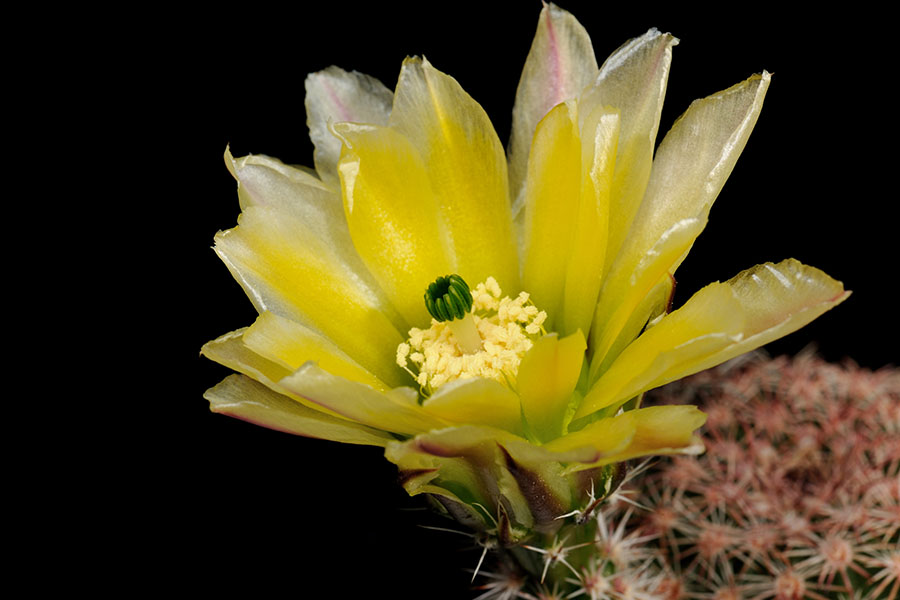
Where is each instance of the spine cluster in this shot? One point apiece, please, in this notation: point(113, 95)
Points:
point(797, 497)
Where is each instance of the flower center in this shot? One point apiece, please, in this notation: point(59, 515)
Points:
point(473, 333)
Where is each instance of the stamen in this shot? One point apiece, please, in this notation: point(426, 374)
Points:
point(504, 330)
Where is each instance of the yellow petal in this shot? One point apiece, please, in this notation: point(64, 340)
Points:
point(666, 426)
point(710, 320)
point(633, 80)
point(478, 401)
point(534, 456)
point(241, 397)
point(287, 269)
point(560, 64)
point(358, 402)
point(547, 377)
point(775, 299)
point(689, 170)
point(552, 198)
point(721, 321)
point(623, 293)
point(605, 437)
point(663, 430)
point(584, 266)
point(566, 213)
point(393, 215)
point(462, 440)
point(467, 169)
point(695, 158)
point(290, 344)
point(229, 350)
point(647, 431)
point(334, 95)
point(655, 304)
point(266, 181)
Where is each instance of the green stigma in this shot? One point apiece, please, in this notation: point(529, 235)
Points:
point(448, 298)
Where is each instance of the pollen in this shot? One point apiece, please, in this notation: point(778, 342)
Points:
point(507, 328)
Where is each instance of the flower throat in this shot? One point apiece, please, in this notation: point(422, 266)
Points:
point(474, 333)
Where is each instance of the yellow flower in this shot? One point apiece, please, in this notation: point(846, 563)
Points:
point(569, 243)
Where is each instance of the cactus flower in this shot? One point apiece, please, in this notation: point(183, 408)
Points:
point(492, 318)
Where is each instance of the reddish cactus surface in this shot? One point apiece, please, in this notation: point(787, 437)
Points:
point(798, 493)
point(797, 497)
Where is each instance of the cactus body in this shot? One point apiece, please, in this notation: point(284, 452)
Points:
point(797, 496)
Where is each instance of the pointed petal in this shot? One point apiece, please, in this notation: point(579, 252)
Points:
point(654, 305)
point(533, 455)
point(478, 401)
point(266, 181)
point(584, 267)
point(290, 344)
point(646, 431)
point(467, 169)
point(462, 440)
point(547, 377)
point(566, 214)
point(690, 168)
point(560, 64)
point(696, 157)
point(707, 322)
point(287, 269)
point(334, 95)
point(633, 80)
point(229, 350)
point(241, 397)
point(393, 215)
point(606, 437)
point(776, 299)
point(552, 198)
point(623, 293)
point(662, 430)
point(721, 321)
point(359, 402)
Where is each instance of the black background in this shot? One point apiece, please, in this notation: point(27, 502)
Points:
point(226, 506)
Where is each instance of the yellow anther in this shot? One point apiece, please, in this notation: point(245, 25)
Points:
point(506, 328)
